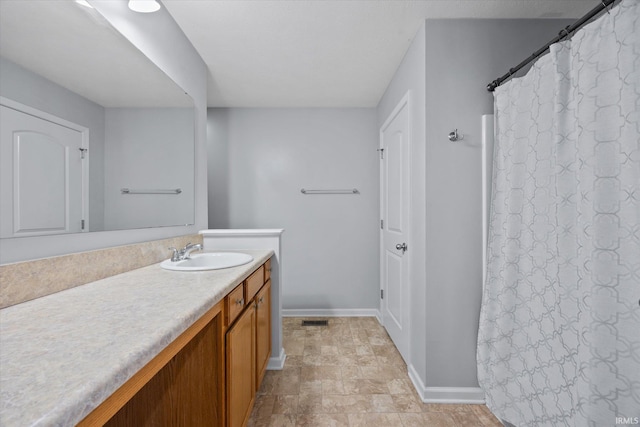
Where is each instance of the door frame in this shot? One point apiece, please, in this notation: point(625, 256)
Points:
point(405, 100)
point(84, 132)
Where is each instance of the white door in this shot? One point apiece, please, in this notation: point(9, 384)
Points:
point(394, 260)
point(41, 176)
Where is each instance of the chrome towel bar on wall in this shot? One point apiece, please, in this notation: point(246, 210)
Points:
point(159, 191)
point(346, 191)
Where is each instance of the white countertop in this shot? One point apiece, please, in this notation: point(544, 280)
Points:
point(64, 354)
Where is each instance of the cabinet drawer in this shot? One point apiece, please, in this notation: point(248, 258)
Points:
point(267, 270)
point(255, 282)
point(235, 303)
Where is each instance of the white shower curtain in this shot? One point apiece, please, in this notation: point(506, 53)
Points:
point(559, 337)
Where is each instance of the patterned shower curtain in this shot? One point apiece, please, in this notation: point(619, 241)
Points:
point(559, 337)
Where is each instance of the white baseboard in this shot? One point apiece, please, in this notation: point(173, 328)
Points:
point(464, 395)
point(276, 363)
point(331, 312)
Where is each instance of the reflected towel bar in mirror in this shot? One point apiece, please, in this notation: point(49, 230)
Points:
point(160, 191)
point(347, 191)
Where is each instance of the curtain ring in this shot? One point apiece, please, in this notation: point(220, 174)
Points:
point(565, 31)
point(605, 7)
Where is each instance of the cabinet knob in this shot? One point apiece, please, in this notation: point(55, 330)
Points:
point(240, 301)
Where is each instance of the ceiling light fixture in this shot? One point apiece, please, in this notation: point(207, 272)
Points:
point(84, 3)
point(144, 6)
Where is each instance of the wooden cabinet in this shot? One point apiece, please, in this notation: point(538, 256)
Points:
point(263, 331)
point(209, 375)
point(255, 282)
point(182, 386)
point(241, 368)
point(248, 346)
point(234, 304)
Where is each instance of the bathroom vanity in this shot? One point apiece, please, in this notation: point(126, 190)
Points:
point(146, 347)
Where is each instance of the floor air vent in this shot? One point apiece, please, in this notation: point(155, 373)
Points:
point(315, 323)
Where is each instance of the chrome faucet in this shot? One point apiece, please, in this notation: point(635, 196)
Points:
point(179, 255)
point(186, 251)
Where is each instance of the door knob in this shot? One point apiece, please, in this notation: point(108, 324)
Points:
point(402, 247)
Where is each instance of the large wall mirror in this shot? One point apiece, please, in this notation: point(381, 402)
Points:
point(94, 137)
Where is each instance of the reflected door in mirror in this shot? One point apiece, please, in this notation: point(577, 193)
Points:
point(41, 176)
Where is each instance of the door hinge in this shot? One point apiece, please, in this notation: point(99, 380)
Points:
point(381, 293)
point(382, 224)
point(83, 152)
point(381, 150)
point(82, 224)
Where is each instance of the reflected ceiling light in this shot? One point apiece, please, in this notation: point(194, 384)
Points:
point(84, 3)
point(144, 6)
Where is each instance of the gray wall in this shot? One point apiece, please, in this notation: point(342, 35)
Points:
point(330, 241)
point(21, 85)
point(462, 56)
point(447, 68)
point(148, 148)
point(157, 36)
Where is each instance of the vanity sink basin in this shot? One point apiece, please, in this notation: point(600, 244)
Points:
point(208, 261)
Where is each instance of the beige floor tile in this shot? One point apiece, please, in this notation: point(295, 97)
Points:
point(364, 350)
point(320, 373)
point(331, 350)
point(485, 416)
point(347, 349)
point(322, 420)
point(383, 372)
point(438, 419)
point(263, 406)
point(332, 387)
point(294, 346)
point(367, 360)
point(310, 386)
point(310, 404)
point(400, 386)
point(365, 386)
point(285, 404)
point(374, 420)
point(349, 360)
point(346, 403)
point(350, 374)
point(382, 403)
point(412, 420)
point(287, 384)
point(280, 420)
point(312, 347)
point(407, 403)
point(291, 361)
point(447, 407)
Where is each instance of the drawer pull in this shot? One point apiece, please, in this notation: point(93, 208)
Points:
point(260, 300)
point(240, 301)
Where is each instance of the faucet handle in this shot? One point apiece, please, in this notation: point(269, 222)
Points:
point(176, 254)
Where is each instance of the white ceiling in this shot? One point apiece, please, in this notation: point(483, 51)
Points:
point(323, 53)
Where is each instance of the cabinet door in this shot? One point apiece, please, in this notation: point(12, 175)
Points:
point(263, 331)
point(241, 368)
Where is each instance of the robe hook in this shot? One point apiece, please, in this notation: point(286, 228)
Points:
point(455, 136)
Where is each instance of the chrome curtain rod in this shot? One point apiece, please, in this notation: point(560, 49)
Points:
point(564, 33)
point(159, 191)
point(349, 191)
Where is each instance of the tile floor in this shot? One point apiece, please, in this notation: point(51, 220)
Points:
point(350, 374)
